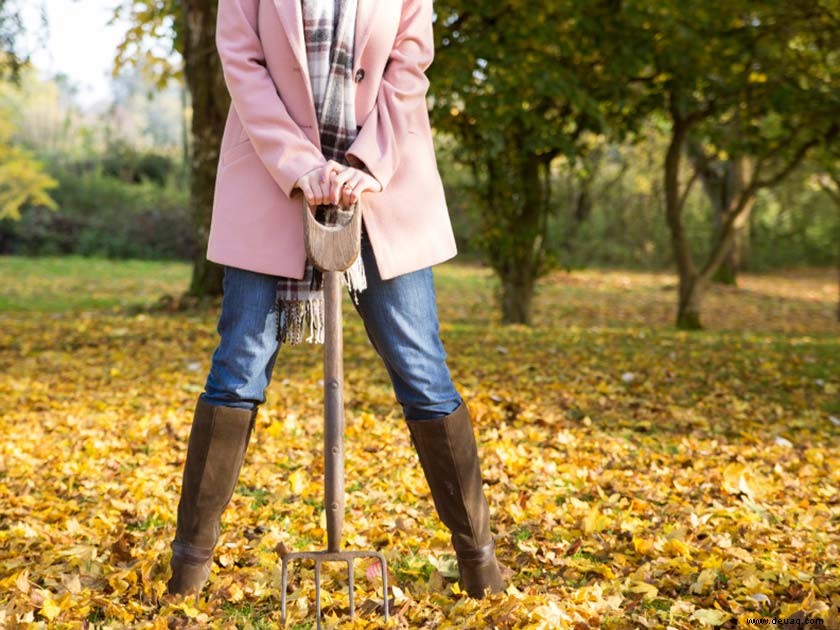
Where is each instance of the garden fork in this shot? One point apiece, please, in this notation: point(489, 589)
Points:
point(332, 249)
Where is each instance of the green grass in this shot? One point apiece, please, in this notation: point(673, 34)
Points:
point(74, 283)
point(260, 496)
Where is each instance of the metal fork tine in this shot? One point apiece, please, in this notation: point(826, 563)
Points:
point(319, 557)
point(350, 585)
point(283, 594)
point(318, 592)
point(384, 587)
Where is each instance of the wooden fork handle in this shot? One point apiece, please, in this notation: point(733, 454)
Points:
point(332, 248)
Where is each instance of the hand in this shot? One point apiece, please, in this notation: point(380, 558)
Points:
point(315, 186)
point(348, 184)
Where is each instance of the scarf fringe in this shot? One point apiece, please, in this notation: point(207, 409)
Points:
point(295, 316)
point(354, 279)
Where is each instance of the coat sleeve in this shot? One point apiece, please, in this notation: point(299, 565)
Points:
point(278, 141)
point(401, 93)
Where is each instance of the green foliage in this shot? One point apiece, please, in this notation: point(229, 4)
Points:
point(11, 29)
point(793, 224)
point(124, 162)
point(544, 70)
point(756, 75)
point(105, 216)
point(22, 177)
point(152, 36)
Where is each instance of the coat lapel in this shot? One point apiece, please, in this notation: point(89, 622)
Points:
point(364, 22)
point(291, 17)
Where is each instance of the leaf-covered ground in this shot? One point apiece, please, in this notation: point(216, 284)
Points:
point(638, 477)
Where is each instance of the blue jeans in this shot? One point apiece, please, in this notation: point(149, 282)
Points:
point(400, 317)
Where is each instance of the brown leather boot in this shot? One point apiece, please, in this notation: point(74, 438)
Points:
point(449, 457)
point(218, 440)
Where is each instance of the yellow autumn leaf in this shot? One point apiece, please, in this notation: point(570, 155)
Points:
point(50, 609)
point(710, 616)
point(297, 481)
point(675, 547)
point(595, 521)
point(704, 580)
point(22, 581)
point(642, 546)
point(647, 590)
point(235, 593)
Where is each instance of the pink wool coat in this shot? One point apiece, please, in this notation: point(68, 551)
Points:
point(271, 137)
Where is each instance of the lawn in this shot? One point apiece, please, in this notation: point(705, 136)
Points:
point(638, 476)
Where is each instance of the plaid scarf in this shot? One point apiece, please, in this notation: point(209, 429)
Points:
point(329, 32)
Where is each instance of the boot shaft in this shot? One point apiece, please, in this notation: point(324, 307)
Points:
point(218, 440)
point(448, 454)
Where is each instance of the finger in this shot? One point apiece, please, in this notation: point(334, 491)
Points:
point(323, 193)
point(307, 192)
point(328, 168)
point(315, 187)
point(335, 188)
point(342, 184)
point(359, 187)
point(345, 194)
point(341, 180)
point(348, 188)
point(337, 181)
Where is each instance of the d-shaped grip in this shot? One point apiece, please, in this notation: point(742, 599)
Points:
point(332, 248)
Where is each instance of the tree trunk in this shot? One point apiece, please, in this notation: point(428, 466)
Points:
point(688, 309)
point(739, 175)
point(724, 181)
point(517, 298)
point(210, 102)
point(831, 186)
point(517, 195)
point(735, 260)
point(688, 304)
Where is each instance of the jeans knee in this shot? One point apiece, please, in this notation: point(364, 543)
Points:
point(430, 410)
point(234, 385)
point(228, 400)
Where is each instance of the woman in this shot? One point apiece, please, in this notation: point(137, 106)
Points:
point(328, 102)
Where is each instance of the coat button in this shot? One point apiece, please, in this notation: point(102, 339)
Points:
point(360, 74)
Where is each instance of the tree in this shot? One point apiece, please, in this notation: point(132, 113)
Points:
point(754, 81)
point(518, 84)
point(22, 178)
point(11, 28)
point(723, 182)
point(187, 28)
point(828, 179)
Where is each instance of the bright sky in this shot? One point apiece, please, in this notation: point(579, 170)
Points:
point(80, 43)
